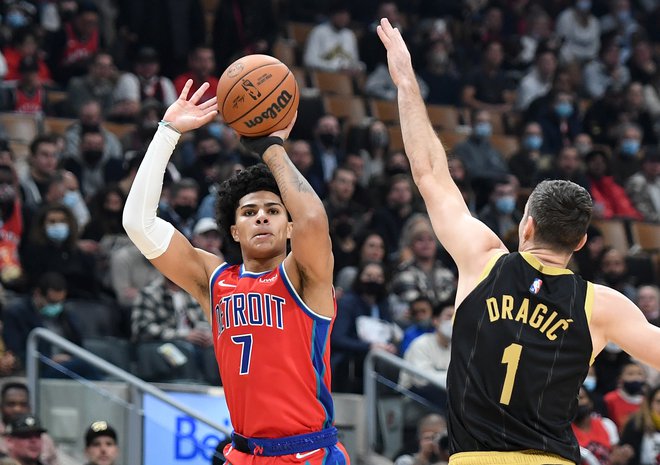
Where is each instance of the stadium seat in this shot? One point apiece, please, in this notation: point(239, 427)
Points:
point(506, 145)
point(95, 318)
point(285, 51)
point(385, 110)
point(20, 127)
point(332, 83)
point(646, 235)
point(57, 126)
point(346, 108)
point(614, 234)
point(119, 129)
point(299, 32)
point(111, 349)
point(451, 138)
point(444, 117)
point(396, 138)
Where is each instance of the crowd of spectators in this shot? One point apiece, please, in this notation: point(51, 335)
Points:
point(574, 83)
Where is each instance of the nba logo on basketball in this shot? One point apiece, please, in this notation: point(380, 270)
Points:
point(536, 286)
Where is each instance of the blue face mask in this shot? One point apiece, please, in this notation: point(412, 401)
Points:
point(57, 232)
point(563, 109)
point(583, 5)
point(506, 204)
point(52, 310)
point(629, 147)
point(589, 383)
point(483, 130)
point(70, 199)
point(623, 16)
point(15, 20)
point(533, 142)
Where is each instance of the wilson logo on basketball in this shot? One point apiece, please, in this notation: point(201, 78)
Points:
point(272, 111)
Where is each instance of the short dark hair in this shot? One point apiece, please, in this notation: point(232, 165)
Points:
point(43, 139)
point(51, 280)
point(253, 179)
point(562, 212)
point(13, 385)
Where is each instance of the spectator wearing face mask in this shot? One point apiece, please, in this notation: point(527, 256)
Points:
point(421, 317)
point(642, 432)
point(181, 207)
point(500, 214)
point(527, 163)
point(328, 154)
point(364, 322)
point(628, 396)
point(91, 165)
point(430, 352)
point(45, 308)
point(597, 436)
point(613, 272)
point(481, 160)
point(627, 159)
point(53, 246)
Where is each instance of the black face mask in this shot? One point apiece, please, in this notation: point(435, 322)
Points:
point(185, 211)
point(92, 157)
point(582, 412)
point(394, 170)
point(208, 159)
point(372, 288)
point(328, 139)
point(90, 127)
point(613, 278)
point(633, 387)
point(343, 229)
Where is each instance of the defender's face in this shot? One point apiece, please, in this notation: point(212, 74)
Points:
point(262, 227)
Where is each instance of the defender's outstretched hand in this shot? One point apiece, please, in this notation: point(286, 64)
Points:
point(186, 115)
point(398, 56)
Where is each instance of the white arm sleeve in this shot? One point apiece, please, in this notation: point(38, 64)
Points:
point(151, 235)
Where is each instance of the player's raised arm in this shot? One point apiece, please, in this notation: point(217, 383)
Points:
point(311, 249)
point(465, 238)
point(157, 239)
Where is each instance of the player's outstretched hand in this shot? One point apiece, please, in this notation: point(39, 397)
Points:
point(398, 56)
point(188, 114)
point(284, 133)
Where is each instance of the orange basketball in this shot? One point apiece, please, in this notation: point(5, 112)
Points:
point(257, 95)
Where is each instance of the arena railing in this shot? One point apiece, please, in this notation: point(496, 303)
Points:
point(136, 385)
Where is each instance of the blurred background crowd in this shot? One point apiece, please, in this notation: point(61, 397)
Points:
point(519, 91)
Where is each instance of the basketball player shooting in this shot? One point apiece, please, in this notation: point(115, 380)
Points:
point(526, 328)
point(272, 314)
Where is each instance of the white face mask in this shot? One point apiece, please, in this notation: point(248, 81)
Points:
point(613, 348)
point(446, 328)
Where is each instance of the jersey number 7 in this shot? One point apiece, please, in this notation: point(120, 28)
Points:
point(245, 341)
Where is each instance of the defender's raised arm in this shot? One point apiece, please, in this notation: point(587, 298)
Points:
point(470, 242)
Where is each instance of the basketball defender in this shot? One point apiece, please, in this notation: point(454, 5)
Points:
point(272, 314)
point(526, 328)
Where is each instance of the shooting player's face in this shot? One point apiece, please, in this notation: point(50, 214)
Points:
point(262, 226)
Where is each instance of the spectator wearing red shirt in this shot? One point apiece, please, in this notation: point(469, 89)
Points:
point(610, 199)
point(597, 436)
point(201, 69)
point(24, 44)
point(628, 396)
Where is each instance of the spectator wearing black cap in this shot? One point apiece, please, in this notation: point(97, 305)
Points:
point(15, 403)
point(643, 187)
point(145, 83)
point(101, 444)
point(29, 95)
point(23, 436)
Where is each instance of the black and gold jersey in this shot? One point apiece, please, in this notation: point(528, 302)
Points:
point(521, 348)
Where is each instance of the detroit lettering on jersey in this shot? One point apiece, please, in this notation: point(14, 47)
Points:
point(252, 309)
point(540, 317)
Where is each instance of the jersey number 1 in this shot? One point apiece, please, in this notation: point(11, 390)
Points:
point(510, 357)
point(245, 341)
